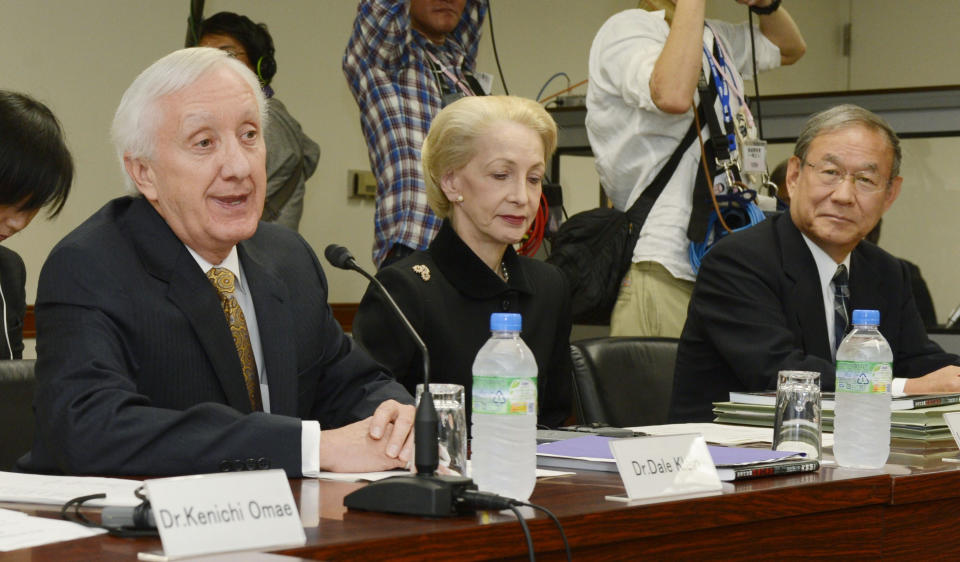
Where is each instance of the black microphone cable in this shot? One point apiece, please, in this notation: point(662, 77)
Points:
point(493, 42)
point(756, 82)
point(486, 500)
point(123, 532)
point(563, 535)
point(526, 531)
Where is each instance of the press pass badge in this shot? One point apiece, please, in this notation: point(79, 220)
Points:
point(754, 156)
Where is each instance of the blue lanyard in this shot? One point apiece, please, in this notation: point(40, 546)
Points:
point(723, 93)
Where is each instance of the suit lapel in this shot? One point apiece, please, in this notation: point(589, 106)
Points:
point(165, 257)
point(866, 290)
point(274, 320)
point(804, 293)
point(193, 294)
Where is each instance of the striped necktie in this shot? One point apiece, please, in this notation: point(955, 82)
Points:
point(841, 295)
point(224, 282)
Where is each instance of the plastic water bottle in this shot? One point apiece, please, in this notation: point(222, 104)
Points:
point(504, 412)
point(861, 423)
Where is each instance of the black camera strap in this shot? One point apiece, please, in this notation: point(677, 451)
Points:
point(637, 213)
point(716, 147)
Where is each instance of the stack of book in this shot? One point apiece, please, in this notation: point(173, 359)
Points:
point(921, 454)
point(914, 417)
point(592, 452)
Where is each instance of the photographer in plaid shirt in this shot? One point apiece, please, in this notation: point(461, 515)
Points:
point(405, 61)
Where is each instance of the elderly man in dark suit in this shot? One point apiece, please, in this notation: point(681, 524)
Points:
point(764, 299)
point(178, 334)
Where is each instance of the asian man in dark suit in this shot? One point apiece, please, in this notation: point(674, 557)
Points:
point(176, 333)
point(36, 171)
point(764, 299)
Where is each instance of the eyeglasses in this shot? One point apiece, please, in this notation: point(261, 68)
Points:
point(832, 175)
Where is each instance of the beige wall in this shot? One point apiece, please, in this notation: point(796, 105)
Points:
point(78, 56)
point(822, 68)
point(899, 44)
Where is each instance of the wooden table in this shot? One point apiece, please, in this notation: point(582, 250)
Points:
point(898, 511)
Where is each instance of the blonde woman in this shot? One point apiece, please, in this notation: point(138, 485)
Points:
point(484, 161)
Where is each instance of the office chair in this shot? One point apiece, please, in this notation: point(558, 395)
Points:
point(16, 410)
point(623, 381)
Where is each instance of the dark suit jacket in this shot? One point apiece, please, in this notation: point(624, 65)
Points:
point(757, 308)
point(13, 280)
point(921, 295)
point(451, 312)
point(137, 372)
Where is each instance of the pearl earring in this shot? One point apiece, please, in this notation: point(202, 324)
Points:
point(459, 199)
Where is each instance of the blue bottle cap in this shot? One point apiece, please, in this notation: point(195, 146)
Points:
point(505, 322)
point(866, 317)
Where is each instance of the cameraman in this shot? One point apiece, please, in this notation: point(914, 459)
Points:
point(644, 69)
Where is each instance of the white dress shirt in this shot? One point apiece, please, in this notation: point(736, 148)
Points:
point(310, 432)
point(632, 139)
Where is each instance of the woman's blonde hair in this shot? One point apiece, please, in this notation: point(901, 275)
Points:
point(450, 144)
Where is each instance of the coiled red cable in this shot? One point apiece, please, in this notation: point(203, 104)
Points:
point(534, 237)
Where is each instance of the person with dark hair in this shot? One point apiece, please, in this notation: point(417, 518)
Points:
point(778, 177)
point(36, 171)
point(921, 294)
point(404, 62)
point(292, 156)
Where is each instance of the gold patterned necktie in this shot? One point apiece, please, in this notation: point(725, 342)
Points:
point(223, 280)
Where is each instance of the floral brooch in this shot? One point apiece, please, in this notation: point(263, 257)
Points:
point(423, 270)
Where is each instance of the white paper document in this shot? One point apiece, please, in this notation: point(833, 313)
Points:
point(57, 490)
point(722, 434)
point(19, 530)
point(715, 433)
point(360, 476)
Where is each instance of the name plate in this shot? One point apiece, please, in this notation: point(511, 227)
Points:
point(212, 513)
point(662, 466)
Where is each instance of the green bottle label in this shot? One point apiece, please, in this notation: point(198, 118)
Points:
point(504, 395)
point(864, 377)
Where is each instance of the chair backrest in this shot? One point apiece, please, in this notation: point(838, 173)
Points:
point(623, 381)
point(16, 410)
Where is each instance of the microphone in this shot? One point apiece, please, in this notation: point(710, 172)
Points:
point(426, 455)
point(954, 318)
point(426, 494)
point(139, 517)
point(341, 258)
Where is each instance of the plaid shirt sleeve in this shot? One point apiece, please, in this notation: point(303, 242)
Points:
point(468, 31)
point(380, 36)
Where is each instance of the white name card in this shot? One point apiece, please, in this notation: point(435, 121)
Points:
point(662, 466)
point(212, 513)
point(754, 156)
